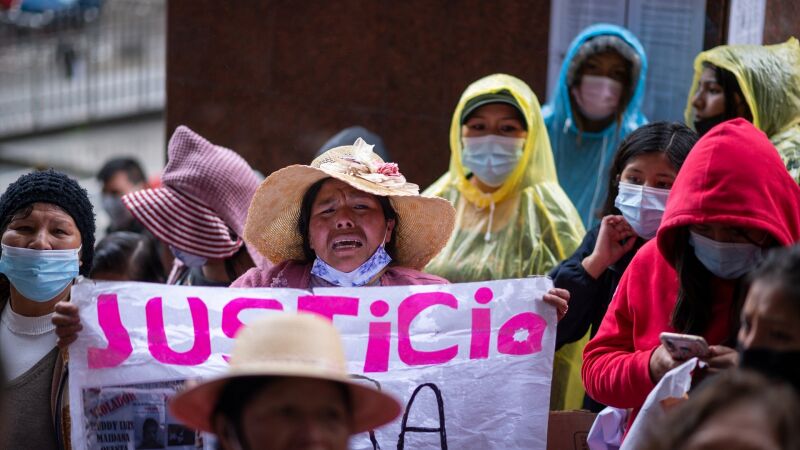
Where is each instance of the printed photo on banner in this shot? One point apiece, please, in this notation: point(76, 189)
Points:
point(451, 354)
point(135, 416)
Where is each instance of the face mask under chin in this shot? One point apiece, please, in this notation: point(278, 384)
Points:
point(359, 276)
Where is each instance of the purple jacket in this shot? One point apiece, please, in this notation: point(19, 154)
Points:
point(297, 274)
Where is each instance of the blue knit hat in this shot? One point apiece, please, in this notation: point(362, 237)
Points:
point(56, 188)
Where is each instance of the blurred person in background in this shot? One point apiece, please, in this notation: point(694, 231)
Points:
point(769, 336)
point(512, 217)
point(48, 228)
point(350, 134)
point(759, 83)
point(596, 103)
point(118, 177)
point(128, 256)
point(640, 180)
point(737, 410)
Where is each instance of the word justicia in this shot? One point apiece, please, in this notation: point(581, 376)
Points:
point(519, 335)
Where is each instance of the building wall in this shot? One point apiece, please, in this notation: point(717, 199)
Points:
point(274, 80)
point(781, 21)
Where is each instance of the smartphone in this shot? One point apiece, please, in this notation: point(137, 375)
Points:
point(684, 346)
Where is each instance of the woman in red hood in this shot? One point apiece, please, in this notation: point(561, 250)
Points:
point(732, 200)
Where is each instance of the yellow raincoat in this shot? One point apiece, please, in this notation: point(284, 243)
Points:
point(524, 228)
point(769, 76)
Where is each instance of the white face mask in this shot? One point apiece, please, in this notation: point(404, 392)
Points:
point(727, 260)
point(597, 97)
point(492, 158)
point(642, 207)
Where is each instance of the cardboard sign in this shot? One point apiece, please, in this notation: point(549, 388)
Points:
point(568, 430)
point(471, 362)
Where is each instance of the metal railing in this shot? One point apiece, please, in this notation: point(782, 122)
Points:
point(97, 61)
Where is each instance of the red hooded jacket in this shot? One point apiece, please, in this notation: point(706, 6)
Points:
point(733, 176)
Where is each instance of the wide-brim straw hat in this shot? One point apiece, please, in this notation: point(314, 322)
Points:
point(294, 346)
point(424, 223)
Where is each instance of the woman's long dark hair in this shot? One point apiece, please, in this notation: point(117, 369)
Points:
point(304, 222)
point(692, 311)
point(133, 254)
point(671, 138)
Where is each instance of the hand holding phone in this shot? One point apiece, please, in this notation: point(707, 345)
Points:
point(684, 346)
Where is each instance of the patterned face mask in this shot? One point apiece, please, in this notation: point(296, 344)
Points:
point(360, 276)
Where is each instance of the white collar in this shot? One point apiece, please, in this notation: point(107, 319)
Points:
point(28, 326)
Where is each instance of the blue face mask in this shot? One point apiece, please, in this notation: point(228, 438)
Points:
point(492, 158)
point(39, 275)
point(727, 260)
point(358, 277)
point(189, 260)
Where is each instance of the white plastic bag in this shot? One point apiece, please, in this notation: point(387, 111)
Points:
point(675, 384)
point(608, 429)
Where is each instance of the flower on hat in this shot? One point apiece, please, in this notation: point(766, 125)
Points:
point(388, 169)
point(364, 164)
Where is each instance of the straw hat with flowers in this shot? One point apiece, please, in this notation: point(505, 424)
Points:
point(424, 223)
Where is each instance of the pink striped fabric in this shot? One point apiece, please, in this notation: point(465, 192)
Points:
point(176, 220)
point(202, 205)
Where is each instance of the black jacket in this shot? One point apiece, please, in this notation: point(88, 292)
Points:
point(589, 297)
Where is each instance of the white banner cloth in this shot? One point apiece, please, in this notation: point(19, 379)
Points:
point(471, 363)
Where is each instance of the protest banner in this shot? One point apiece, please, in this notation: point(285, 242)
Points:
point(471, 363)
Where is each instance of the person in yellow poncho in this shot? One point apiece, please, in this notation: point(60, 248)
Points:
point(760, 83)
point(512, 217)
